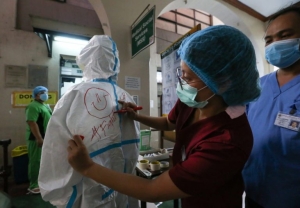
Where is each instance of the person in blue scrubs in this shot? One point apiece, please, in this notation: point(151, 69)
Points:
point(272, 173)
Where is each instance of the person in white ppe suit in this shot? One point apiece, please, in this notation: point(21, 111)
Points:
point(88, 109)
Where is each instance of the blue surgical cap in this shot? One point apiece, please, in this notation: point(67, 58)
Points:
point(37, 90)
point(224, 59)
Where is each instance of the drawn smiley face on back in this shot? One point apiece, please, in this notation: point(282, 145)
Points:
point(98, 102)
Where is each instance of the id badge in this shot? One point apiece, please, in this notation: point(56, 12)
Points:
point(288, 121)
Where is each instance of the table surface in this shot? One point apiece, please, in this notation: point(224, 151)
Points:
point(153, 173)
point(141, 173)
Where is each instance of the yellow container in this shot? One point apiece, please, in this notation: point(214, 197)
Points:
point(19, 151)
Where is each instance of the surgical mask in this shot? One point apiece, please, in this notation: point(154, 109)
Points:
point(188, 94)
point(283, 53)
point(44, 97)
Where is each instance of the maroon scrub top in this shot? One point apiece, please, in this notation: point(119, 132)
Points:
point(208, 158)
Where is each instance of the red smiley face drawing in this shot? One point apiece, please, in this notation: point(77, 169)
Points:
point(98, 103)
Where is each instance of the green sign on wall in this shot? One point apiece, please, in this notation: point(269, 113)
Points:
point(142, 33)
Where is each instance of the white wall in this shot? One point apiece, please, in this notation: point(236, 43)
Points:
point(22, 48)
point(16, 48)
point(216, 21)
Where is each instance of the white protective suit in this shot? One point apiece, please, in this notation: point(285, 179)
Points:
point(112, 139)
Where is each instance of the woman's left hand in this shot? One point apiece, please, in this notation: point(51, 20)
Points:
point(78, 156)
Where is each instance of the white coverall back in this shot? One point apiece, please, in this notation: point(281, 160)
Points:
point(87, 109)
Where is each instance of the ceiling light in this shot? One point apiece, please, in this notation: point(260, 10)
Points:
point(70, 40)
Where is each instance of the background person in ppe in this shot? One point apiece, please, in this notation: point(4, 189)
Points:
point(272, 173)
point(112, 140)
point(213, 136)
point(37, 117)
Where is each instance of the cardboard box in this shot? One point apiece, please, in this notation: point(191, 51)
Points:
point(145, 136)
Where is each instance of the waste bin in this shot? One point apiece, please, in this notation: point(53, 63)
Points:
point(20, 164)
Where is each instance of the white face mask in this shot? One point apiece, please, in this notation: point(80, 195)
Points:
point(188, 94)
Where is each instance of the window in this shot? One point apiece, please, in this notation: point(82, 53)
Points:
point(202, 17)
point(159, 77)
point(165, 25)
point(186, 12)
point(182, 30)
point(169, 16)
point(182, 20)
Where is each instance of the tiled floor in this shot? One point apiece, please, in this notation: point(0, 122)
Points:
point(14, 189)
point(20, 198)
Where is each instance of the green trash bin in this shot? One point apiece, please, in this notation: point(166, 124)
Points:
point(20, 164)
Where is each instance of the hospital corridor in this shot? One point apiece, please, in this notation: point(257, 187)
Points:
point(149, 103)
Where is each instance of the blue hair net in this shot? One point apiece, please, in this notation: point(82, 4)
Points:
point(37, 90)
point(224, 59)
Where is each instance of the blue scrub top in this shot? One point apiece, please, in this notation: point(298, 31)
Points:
point(272, 173)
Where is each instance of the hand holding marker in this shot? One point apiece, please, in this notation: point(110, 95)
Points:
point(124, 110)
